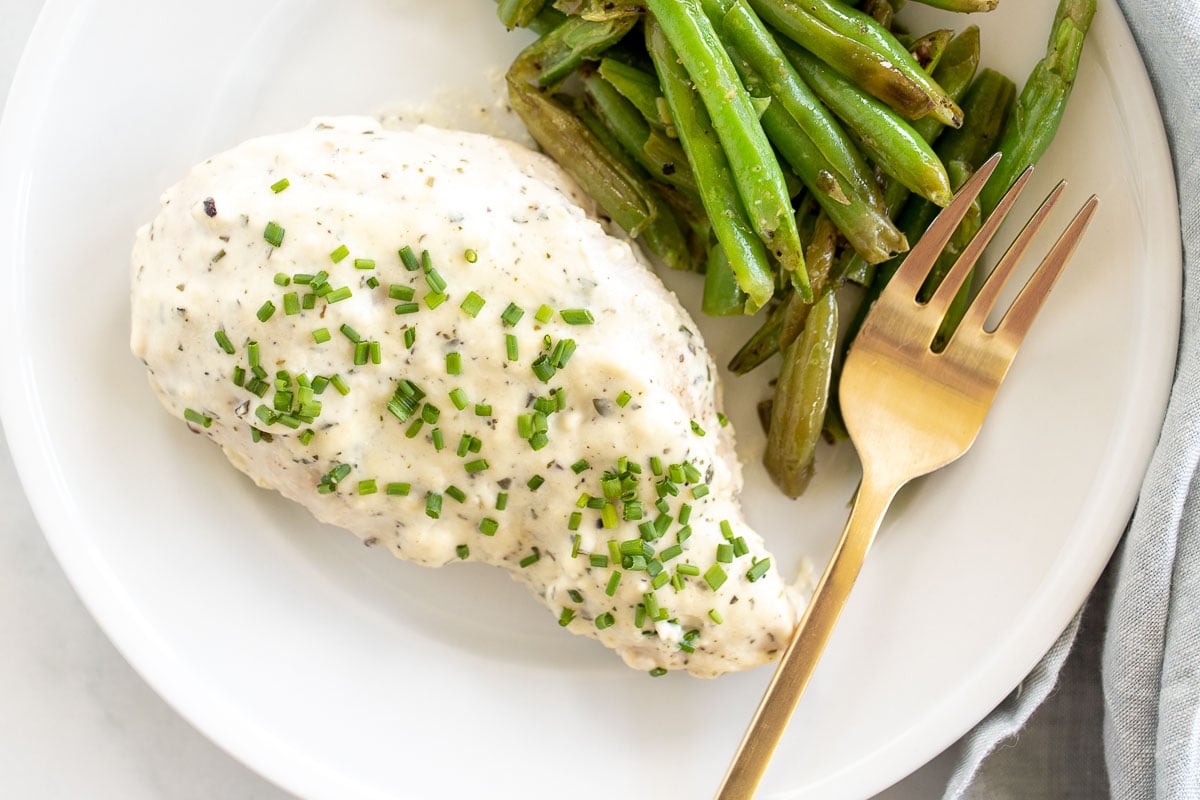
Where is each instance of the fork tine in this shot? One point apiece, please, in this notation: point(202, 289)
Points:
point(983, 303)
point(948, 288)
point(911, 273)
point(1021, 313)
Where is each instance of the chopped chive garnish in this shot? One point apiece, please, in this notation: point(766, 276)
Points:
point(683, 534)
point(436, 282)
point(373, 282)
point(539, 440)
point(687, 569)
point(463, 551)
point(223, 341)
point(307, 436)
point(376, 353)
point(464, 445)
point(579, 466)
point(577, 316)
point(265, 311)
point(414, 428)
point(279, 185)
point(473, 304)
point(367, 487)
point(574, 594)
point(715, 616)
point(364, 263)
point(700, 491)
point(362, 351)
point(543, 368)
point(501, 501)
point(488, 526)
point(454, 363)
point(409, 259)
point(470, 255)
point(715, 576)
point(478, 465)
point(544, 314)
point(726, 529)
point(239, 375)
point(340, 384)
point(398, 489)
point(685, 514)
point(435, 299)
point(338, 295)
point(574, 521)
point(696, 429)
point(302, 278)
point(483, 409)
point(614, 580)
point(623, 400)
point(439, 441)
point(273, 233)
point(656, 465)
point(459, 398)
point(650, 600)
point(723, 420)
point(614, 550)
point(531, 559)
point(341, 252)
point(426, 261)
point(658, 672)
point(308, 302)
point(196, 417)
point(525, 425)
point(350, 333)
point(598, 560)
point(674, 551)
point(758, 569)
point(456, 493)
point(430, 413)
point(512, 314)
point(511, 347)
point(608, 515)
point(740, 548)
point(281, 279)
point(398, 291)
point(433, 505)
point(410, 337)
point(291, 304)
point(661, 579)
point(534, 482)
point(605, 620)
point(564, 619)
point(407, 308)
point(725, 553)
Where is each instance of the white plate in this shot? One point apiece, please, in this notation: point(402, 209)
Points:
point(340, 673)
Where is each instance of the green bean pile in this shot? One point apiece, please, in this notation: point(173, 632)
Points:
point(783, 148)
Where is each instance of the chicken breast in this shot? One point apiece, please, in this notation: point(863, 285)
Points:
point(425, 338)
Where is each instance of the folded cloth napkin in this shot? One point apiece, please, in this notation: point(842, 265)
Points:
point(1132, 684)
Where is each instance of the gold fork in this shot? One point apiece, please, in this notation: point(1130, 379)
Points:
point(909, 411)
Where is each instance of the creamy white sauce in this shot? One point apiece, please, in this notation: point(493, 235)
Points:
point(204, 265)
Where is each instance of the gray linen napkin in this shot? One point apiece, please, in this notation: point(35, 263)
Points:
point(1136, 678)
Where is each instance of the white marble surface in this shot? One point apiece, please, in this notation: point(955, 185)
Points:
point(75, 720)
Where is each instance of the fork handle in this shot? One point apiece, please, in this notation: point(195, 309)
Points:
point(799, 660)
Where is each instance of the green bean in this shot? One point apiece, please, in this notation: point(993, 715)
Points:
point(662, 236)
point(756, 172)
point(713, 172)
point(866, 227)
point(638, 87)
point(558, 53)
point(801, 399)
point(722, 295)
point(1043, 99)
point(518, 13)
point(742, 31)
point(885, 137)
point(617, 190)
point(851, 22)
point(863, 65)
point(928, 51)
point(661, 157)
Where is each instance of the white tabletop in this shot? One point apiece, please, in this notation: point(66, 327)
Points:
point(77, 721)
